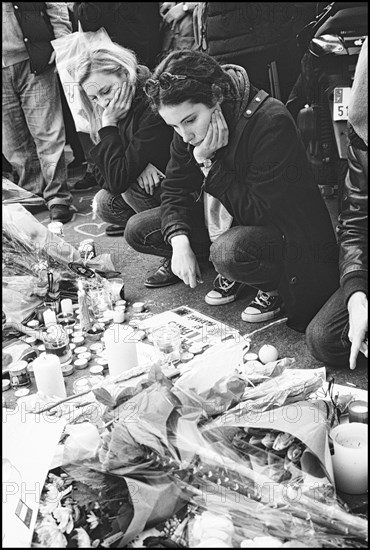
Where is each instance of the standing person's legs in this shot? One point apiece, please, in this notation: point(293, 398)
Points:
point(42, 108)
point(327, 333)
point(252, 255)
point(18, 145)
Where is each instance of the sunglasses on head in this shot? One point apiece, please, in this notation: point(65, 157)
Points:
point(163, 82)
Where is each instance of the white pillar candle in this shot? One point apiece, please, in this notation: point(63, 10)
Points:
point(121, 352)
point(49, 317)
point(66, 305)
point(48, 375)
point(118, 315)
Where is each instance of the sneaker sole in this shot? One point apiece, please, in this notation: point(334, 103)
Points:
point(153, 285)
point(220, 301)
point(223, 301)
point(259, 318)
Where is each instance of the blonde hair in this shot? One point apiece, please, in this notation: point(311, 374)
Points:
point(117, 60)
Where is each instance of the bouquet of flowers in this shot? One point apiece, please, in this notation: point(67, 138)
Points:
point(247, 473)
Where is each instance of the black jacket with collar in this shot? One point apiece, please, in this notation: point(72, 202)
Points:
point(353, 222)
point(268, 181)
point(142, 137)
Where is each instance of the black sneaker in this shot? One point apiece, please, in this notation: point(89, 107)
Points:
point(263, 308)
point(87, 182)
point(163, 276)
point(224, 291)
point(60, 213)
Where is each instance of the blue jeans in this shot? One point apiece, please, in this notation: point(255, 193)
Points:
point(327, 333)
point(33, 132)
point(118, 209)
point(251, 255)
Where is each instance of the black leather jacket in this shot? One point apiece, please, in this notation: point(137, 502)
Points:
point(352, 227)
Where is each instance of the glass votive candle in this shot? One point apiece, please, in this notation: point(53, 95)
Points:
point(167, 340)
point(358, 411)
point(56, 342)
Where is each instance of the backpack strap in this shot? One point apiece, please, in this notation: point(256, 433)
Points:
point(251, 109)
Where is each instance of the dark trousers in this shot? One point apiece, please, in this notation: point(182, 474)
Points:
point(251, 255)
point(327, 334)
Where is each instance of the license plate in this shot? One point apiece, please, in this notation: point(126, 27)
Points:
point(342, 97)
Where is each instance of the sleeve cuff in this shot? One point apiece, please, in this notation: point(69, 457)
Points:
point(354, 283)
point(107, 131)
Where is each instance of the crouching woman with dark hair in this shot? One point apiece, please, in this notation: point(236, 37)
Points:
point(239, 167)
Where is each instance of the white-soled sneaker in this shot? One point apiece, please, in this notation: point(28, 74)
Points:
point(224, 291)
point(263, 308)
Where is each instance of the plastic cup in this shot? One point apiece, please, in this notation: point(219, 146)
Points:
point(350, 457)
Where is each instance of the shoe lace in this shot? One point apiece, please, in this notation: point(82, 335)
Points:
point(223, 283)
point(165, 262)
point(262, 299)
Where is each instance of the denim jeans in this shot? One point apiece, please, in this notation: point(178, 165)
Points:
point(118, 209)
point(33, 131)
point(327, 333)
point(251, 255)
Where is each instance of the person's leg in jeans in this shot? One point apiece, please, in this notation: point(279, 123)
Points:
point(143, 233)
point(42, 109)
point(18, 145)
point(252, 255)
point(327, 333)
point(118, 209)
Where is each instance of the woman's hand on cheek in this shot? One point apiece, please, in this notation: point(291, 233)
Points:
point(217, 136)
point(119, 105)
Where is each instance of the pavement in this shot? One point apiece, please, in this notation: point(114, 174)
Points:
point(135, 267)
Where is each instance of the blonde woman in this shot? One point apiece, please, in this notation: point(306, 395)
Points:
point(130, 145)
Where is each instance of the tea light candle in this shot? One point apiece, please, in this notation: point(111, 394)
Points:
point(80, 363)
point(85, 355)
point(33, 324)
point(80, 349)
point(49, 317)
point(48, 375)
point(121, 352)
point(358, 411)
point(118, 315)
point(96, 369)
point(66, 305)
point(121, 303)
point(138, 307)
point(96, 348)
point(78, 340)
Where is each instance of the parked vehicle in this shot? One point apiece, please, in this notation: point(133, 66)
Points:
point(319, 100)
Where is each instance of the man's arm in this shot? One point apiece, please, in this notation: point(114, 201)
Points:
point(59, 18)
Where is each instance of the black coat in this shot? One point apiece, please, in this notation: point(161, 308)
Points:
point(141, 138)
point(37, 32)
point(353, 223)
point(268, 182)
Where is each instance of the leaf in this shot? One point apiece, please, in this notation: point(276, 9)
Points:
point(104, 397)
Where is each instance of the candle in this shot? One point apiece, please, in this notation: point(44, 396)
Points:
point(49, 376)
point(121, 352)
point(66, 305)
point(49, 317)
point(350, 457)
point(358, 411)
point(118, 315)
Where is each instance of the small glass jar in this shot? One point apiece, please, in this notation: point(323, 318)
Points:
point(57, 343)
point(19, 375)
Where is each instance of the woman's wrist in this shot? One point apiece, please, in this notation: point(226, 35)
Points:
point(106, 121)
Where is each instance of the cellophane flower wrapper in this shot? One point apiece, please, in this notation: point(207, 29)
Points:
point(218, 468)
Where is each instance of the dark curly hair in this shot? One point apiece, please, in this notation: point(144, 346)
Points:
point(206, 81)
